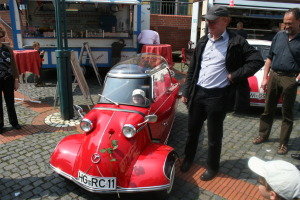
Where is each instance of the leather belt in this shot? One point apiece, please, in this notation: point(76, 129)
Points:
point(284, 73)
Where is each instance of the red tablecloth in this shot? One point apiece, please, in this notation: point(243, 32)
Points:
point(28, 61)
point(165, 50)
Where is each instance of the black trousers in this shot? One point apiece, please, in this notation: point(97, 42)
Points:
point(208, 104)
point(7, 88)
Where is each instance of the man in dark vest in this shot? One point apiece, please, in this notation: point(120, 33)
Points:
point(9, 81)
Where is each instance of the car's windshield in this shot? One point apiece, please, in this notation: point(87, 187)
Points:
point(126, 91)
point(263, 49)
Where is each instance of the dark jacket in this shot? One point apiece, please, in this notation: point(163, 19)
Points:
point(13, 65)
point(242, 61)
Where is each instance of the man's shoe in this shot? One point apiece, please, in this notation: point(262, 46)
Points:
point(295, 156)
point(282, 149)
point(17, 127)
point(259, 139)
point(208, 175)
point(186, 165)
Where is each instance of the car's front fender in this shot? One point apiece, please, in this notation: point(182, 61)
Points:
point(64, 156)
point(149, 171)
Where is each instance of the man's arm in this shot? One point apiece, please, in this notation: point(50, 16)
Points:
point(157, 40)
point(189, 77)
point(267, 68)
point(139, 37)
point(253, 61)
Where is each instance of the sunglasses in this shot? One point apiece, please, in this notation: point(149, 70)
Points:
point(212, 22)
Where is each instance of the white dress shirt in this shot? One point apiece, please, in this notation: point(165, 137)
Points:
point(148, 37)
point(213, 73)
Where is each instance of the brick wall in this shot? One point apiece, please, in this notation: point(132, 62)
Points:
point(172, 29)
point(5, 16)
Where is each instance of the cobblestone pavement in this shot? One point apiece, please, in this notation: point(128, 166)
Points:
point(24, 154)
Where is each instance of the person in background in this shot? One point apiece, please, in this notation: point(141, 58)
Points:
point(36, 46)
point(221, 61)
point(116, 51)
point(271, 35)
point(147, 37)
point(240, 30)
point(9, 81)
point(139, 97)
point(278, 179)
point(281, 80)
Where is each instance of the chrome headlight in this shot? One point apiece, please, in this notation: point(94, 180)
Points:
point(86, 125)
point(129, 130)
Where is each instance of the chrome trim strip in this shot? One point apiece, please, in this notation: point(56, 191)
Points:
point(118, 190)
point(128, 75)
point(121, 110)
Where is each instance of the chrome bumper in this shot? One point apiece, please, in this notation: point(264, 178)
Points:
point(118, 190)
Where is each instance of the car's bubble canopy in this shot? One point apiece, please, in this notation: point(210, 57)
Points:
point(142, 65)
point(130, 75)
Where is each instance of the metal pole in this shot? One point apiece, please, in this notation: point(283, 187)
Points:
point(63, 63)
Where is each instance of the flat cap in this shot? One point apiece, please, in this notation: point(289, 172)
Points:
point(215, 12)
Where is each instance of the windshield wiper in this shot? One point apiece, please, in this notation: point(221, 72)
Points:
point(108, 99)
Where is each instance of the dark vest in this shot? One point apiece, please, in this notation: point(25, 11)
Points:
point(5, 62)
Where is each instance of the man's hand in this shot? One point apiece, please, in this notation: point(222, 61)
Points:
point(298, 79)
point(184, 100)
point(229, 76)
point(264, 84)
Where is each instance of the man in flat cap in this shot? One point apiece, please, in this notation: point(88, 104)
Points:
point(221, 63)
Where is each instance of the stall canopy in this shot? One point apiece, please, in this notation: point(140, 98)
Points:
point(100, 1)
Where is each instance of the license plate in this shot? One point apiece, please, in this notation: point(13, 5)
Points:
point(105, 183)
point(257, 95)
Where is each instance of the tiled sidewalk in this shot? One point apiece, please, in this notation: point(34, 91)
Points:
point(223, 185)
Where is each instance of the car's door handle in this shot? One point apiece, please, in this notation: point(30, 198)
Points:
point(165, 123)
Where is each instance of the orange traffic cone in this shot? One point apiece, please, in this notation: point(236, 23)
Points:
point(231, 3)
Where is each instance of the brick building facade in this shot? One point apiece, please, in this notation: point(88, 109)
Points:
point(173, 29)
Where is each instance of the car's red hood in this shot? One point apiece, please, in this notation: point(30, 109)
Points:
point(108, 123)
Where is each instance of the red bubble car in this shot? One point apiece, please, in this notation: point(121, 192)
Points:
point(123, 144)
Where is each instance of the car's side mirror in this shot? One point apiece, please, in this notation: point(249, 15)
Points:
point(79, 110)
point(149, 119)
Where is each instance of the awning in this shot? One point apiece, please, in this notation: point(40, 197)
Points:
point(99, 1)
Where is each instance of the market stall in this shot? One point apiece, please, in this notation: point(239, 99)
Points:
point(99, 23)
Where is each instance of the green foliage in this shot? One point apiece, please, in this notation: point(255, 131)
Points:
point(110, 150)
